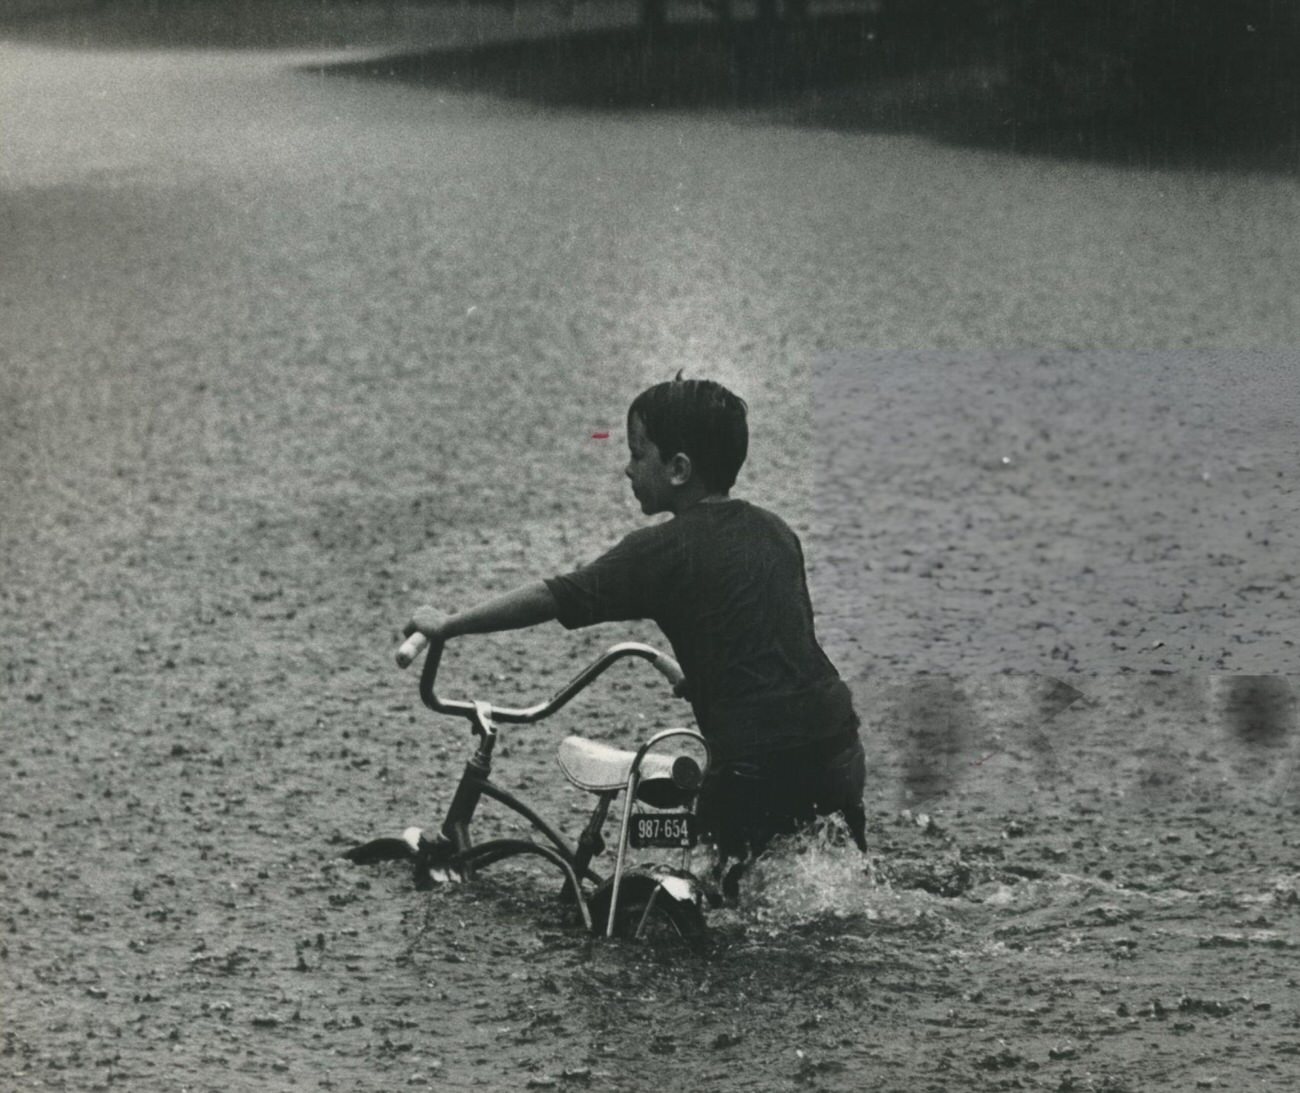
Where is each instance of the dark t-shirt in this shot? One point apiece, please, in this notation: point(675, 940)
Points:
point(725, 582)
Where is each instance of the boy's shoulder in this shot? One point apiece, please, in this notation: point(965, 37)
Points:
point(738, 510)
point(734, 518)
point(709, 522)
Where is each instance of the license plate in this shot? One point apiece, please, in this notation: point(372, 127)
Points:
point(663, 829)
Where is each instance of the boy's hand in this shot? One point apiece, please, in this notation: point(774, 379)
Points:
point(430, 622)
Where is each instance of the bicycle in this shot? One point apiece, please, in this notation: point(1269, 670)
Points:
point(634, 901)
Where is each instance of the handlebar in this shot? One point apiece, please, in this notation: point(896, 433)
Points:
point(411, 647)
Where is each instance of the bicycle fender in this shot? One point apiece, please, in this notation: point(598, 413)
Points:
point(678, 883)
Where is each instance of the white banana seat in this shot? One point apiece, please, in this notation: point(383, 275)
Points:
point(602, 768)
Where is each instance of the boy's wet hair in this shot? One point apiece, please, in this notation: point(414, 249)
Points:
point(701, 419)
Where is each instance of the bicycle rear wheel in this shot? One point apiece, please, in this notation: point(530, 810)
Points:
point(647, 911)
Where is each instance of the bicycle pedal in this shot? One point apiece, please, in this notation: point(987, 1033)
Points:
point(430, 858)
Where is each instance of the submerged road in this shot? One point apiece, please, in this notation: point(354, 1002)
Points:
point(281, 352)
point(201, 248)
point(237, 214)
point(234, 270)
point(209, 196)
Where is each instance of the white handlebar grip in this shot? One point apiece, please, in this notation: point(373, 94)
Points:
point(411, 648)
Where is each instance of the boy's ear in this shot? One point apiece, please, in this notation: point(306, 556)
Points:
point(679, 469)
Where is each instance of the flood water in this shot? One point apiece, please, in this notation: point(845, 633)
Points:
point(288, 349)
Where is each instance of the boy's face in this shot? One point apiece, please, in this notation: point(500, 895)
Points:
point(651, 478)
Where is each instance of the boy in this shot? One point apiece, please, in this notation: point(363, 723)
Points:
point(725, 581)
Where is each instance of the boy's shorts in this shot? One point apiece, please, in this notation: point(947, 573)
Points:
point(745, 803)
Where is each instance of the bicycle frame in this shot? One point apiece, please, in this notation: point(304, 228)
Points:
point(457, 849)
point(454, 848)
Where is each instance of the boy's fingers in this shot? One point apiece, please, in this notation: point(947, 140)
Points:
point(422, 618)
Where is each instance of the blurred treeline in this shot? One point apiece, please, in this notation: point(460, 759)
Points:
point(1227, 58)
point(1153, 53)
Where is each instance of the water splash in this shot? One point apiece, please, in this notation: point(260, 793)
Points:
point(819, 878)
point(820, 875)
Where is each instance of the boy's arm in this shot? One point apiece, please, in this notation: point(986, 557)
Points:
point(525, 606)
